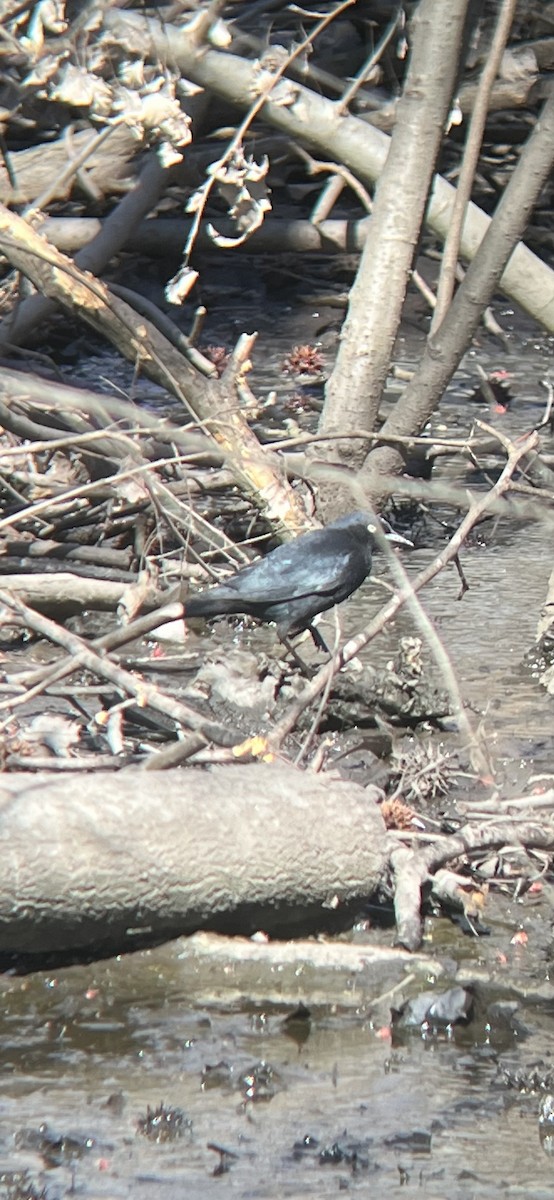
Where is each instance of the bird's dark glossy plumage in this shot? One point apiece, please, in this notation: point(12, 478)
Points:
point(300, 579)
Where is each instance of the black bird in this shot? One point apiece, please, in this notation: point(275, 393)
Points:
point(300, 579)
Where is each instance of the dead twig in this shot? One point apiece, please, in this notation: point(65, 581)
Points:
point(127, 682)
point(34, 682)
point(412, 868)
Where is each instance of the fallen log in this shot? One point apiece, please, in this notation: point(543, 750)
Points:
point(109, 166)
point(67, 594)
point(116, 863)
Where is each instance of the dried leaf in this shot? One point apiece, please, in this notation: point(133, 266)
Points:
point(282, 92)
point(155, 110)
point(197, 200)
point(219, 35)
point(131, 73)
point(52, 15)
point(168, 155)
point(241, 182)
point(179, 287)
point(80, 89)
point(43, 72)
point(47, 17)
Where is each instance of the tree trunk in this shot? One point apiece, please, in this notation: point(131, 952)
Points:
point(446, 348)
point(375, 307)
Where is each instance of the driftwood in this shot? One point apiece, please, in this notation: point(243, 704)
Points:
point(66, 594)
point(166, 235)
point(108, 167)
point(361, 977)
point(118, 863)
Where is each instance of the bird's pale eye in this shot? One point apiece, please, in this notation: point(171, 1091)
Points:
point(372, 529)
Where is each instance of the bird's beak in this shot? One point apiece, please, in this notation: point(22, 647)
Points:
point(396, 538)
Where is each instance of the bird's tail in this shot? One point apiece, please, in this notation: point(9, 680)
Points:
point(214, 602)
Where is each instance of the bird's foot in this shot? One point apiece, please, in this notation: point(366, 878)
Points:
point(318, 640)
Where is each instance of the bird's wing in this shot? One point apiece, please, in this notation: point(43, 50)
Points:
point(284, 575)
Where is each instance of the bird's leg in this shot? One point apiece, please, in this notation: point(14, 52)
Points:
point(305, 669)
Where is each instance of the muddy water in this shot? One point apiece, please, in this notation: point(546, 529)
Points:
point(487, 634)
point(346, 1105)
point(351, 1107)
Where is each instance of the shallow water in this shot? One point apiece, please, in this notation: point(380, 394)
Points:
point(429, 1110)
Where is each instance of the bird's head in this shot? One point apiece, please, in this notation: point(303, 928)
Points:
point(366, 522)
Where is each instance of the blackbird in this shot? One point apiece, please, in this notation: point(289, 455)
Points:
point(299, 579)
